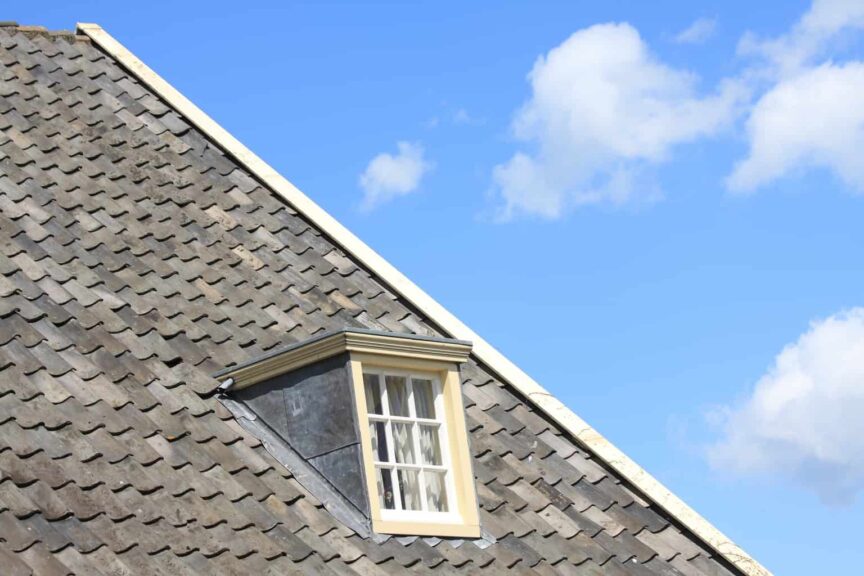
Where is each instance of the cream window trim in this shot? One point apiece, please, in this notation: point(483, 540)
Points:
point(417, 351)
point(462, 518)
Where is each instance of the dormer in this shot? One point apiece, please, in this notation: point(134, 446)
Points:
point(372, 423)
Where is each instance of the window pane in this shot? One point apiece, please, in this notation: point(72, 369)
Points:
point(403, 443)
point(385, 489)
point(372, 384)
point(430, 448)
point(397, 394)
point(424, 398)
point(436, 491)
point(409, 489)
point(377, 430)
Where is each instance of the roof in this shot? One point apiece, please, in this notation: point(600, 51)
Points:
point(143, 249)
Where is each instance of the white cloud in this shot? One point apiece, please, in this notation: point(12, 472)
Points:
point(388, 176)
point(805, 418)
point(814, 119)
point(810, 114)
point(698, 32)
point(602, 110)
point(809, 38)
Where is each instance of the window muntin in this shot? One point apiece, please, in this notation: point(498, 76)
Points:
point(408, 434)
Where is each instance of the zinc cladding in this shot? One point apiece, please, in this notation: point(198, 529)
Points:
point(136, 260)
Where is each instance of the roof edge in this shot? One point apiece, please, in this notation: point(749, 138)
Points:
point(483, 351)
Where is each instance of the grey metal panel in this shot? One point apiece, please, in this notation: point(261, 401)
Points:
point(311, 408)
point(343, 468)
point(320, 413)
point(345, 510)
point(267, 400)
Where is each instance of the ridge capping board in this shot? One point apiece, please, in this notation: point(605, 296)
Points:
point(508, 372)
point(355, 341)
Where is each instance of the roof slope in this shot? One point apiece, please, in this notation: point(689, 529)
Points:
point(136, 259)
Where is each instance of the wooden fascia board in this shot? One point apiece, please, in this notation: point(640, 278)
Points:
point(400, 284)
point(452, 352)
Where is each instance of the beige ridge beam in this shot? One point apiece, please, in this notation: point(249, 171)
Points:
point(483, 351)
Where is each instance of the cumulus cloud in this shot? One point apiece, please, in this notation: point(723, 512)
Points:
point(388, 176)
point(813, 119)
point(603, 109)
point(805, 417)
point(604, 112)
point(698, 32)
point(810, 113)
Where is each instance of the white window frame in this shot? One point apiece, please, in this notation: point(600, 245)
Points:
point(440, 422)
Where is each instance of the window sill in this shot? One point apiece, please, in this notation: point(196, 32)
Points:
point(415, 528)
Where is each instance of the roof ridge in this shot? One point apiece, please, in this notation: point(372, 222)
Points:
point(33, 31)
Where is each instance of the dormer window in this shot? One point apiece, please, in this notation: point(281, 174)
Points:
point(378, 418)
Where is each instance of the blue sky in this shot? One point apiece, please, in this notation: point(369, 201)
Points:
point(669, 201)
